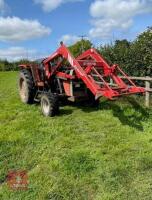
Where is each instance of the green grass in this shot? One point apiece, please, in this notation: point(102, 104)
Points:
point(82, 154)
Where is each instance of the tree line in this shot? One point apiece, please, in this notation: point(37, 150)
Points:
point(6, 65)
point(134, 57)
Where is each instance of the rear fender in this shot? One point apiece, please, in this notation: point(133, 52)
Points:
point(24, 66)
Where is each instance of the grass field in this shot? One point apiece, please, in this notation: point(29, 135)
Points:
point(82, 154)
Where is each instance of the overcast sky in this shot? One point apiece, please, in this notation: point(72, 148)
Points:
point(33, 28)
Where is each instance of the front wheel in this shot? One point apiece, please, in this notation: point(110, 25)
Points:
point(49, 105)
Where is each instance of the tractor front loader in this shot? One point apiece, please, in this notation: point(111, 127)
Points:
point(62, 76)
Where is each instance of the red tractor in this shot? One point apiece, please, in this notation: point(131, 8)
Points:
point(62, 76)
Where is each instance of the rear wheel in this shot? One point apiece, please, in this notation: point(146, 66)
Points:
point(26, 87)
point(49, 105)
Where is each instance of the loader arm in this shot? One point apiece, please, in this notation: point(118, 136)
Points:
point(80, 73)
point(94, 71)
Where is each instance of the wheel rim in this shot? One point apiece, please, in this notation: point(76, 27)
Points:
point(23, 92)
point(45, 106)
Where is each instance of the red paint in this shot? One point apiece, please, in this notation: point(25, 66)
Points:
point(87, 66)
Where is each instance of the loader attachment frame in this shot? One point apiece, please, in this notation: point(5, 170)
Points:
point(94, 71)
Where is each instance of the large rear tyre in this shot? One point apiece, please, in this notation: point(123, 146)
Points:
point(49, 105)
point(26, 87)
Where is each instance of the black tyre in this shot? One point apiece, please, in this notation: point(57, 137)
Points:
point(91, 100)
point(49, 105)
point(26, 87)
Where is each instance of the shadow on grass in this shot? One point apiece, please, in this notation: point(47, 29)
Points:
point(84, 106)
point(65, 112)
point(127, 110)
